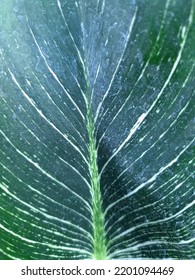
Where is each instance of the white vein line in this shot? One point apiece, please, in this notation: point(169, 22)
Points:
point(45, 172)
point(132, 131)
point(118, 64)
point(54, 75)
point(102, 8)
point(47, 230)
point(154, 222)
point(157, 39)
point(71, 36)
point(183, 86)
point(113, 119)
point(47, 197)
point(53, 102)
point(115, 234)
point(60, 158)
point(5, 188)
point(83, 94)
point(76, 171)
point(141, 119)
point(161, 136)
point(182, 233)
point(137, 247)
point(10, 256)
point(152, 179)
point(143, 70)
point(187, 241)
point(79, 86)
point(43, 116)
point(43, 243)
point(80, 58)
point(85, 69)
point(129, 244)
point(97, 3)
point(151, 204)
point(96, 76)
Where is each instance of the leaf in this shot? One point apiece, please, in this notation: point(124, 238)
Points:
point(97, 129)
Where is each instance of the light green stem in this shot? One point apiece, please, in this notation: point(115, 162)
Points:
point(100, 251)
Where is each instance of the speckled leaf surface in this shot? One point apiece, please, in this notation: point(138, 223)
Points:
point(97, 129)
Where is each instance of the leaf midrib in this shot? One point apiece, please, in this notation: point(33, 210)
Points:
point(99, 246)
point(98, 219)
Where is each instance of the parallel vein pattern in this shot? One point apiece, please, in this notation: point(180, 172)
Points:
point(97, 129)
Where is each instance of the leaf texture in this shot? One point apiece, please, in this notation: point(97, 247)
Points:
point(97, 129)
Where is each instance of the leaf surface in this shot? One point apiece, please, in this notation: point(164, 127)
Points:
point(97, 129)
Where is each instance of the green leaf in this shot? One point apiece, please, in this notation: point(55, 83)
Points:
point(97, 129)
